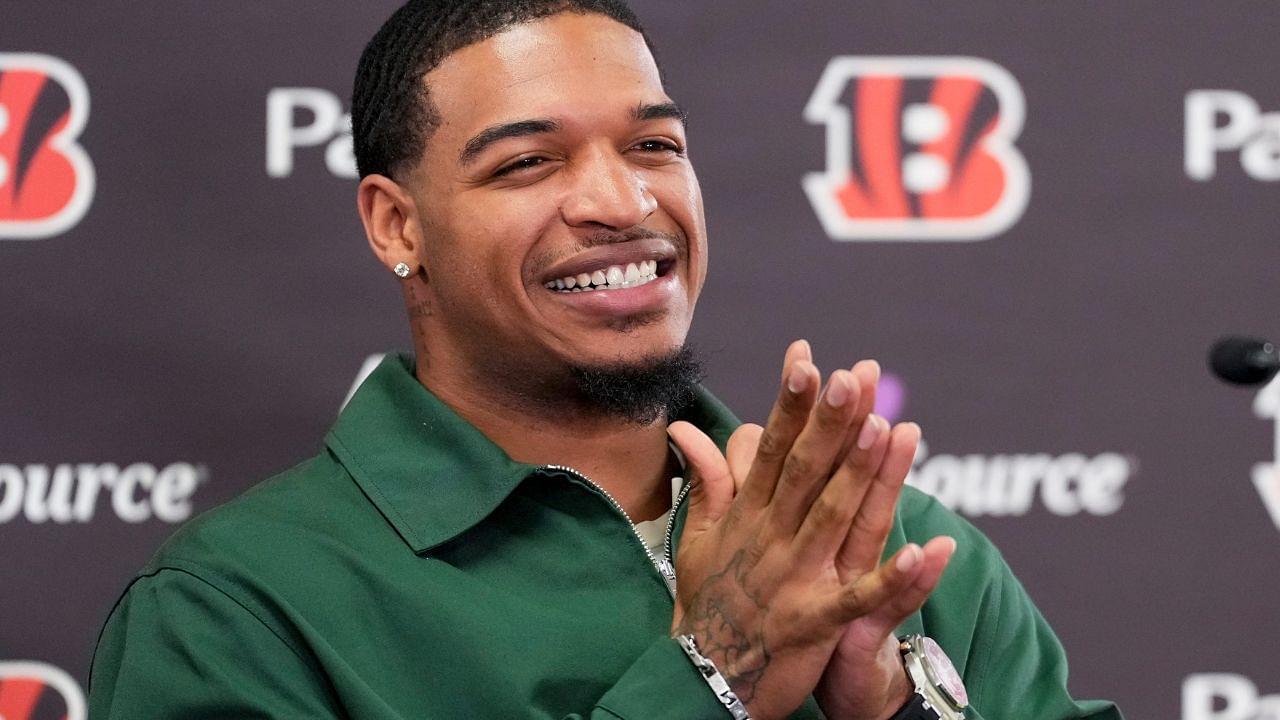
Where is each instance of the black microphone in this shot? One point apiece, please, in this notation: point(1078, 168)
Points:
point(1244, 360)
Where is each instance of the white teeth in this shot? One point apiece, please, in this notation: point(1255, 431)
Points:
point(614, 277)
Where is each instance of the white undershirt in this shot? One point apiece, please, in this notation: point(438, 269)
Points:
point(654, 532)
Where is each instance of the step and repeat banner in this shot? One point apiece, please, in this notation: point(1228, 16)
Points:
point(1037, 216)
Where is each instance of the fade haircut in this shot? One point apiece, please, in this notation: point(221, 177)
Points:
point(392, 115)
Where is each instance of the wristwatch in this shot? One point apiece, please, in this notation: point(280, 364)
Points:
point(940, 693)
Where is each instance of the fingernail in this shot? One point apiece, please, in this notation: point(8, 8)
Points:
point(837, 391)
point(909, 557)
point(869, 432)
point(797, 379)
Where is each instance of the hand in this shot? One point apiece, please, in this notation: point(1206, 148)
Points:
point(759, 584)
point(865, 678)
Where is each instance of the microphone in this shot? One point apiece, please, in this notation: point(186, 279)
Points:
point(1244, 360)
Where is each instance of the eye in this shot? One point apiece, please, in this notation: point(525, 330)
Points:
point(521, 164)
point(660, 146)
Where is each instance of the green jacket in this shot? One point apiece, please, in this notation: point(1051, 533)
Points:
point(413, 570)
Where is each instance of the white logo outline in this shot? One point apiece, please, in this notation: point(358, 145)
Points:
point(1266, 476)
point(52, 676)
point(64, 142)
point(824, 108)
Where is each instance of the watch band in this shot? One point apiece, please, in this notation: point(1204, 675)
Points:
point(714, 679)
point(916, 709)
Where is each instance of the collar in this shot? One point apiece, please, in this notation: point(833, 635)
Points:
point(432, 474)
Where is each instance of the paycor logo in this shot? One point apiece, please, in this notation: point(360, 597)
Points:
point(1226, 696)
point(71, 493)
point(302, 117)
point(1220, 121)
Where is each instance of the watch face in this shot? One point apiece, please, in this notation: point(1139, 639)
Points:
point(945, 672)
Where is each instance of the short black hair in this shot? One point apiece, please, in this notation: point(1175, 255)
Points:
point(391, 113)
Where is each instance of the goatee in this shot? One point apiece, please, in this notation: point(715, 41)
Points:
point(644, 391)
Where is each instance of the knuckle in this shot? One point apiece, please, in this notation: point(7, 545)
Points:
point(799, 466)
point(824, 512)
point(772, 447)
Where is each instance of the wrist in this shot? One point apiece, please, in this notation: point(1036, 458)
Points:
point(715, 681)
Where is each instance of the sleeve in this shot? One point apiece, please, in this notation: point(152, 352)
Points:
point(1013, 665)
point(176, 647)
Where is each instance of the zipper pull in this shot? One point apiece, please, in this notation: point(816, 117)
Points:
point(668, 574)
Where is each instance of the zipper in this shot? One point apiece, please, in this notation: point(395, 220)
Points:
point(667, 556)
point(665, 568)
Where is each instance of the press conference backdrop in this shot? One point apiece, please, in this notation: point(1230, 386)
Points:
point(1037, 216)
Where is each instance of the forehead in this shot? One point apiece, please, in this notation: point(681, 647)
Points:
point(566, 66)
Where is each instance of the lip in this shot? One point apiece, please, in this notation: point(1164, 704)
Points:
point(622, 254)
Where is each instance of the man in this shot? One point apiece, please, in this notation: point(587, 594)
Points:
point(491, 530)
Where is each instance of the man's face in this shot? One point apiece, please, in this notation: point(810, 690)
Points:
point(559, 159)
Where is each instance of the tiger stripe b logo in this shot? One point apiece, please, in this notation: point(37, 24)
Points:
point(918, 148)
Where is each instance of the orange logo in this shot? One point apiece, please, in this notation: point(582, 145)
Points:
point(38, 691)
point(918, 148)
point(46, 179)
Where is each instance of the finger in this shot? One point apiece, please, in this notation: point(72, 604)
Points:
point(864, 543)
point(813, 457)
point(710, 484)
point(872, 590)
point(827, 523)
point(935, 556)
point(867, 373)
point(741, 451)
point(797, 395)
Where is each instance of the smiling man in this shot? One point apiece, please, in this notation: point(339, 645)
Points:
point(498, 526)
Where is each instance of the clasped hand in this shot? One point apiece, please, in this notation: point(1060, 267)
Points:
point(779, 566)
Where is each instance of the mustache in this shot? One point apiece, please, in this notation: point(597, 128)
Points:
point(600, 239)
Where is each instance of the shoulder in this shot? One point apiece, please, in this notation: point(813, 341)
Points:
point(267, 525)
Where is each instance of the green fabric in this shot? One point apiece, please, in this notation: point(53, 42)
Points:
point(413, 570)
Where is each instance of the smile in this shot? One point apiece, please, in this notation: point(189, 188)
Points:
point(613, 277)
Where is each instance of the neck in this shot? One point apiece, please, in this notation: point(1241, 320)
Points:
point(631, 462)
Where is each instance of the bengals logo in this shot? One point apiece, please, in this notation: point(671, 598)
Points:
point(37, 691)
point(918, 148)
point(46, 179)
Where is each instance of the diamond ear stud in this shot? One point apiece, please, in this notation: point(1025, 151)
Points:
point(402, 269)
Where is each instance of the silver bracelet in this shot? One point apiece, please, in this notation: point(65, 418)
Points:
point(719, 685)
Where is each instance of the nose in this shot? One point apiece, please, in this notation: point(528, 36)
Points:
point(607, 191)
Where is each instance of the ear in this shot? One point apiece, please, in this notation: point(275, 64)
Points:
point(390, 222)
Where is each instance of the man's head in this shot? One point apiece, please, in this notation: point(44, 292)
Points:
point(511, 151)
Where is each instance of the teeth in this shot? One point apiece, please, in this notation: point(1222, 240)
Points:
point(613, 277)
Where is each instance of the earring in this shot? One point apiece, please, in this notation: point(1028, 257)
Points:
point(402, 269)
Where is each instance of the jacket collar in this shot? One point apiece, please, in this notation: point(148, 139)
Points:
point(431, 473)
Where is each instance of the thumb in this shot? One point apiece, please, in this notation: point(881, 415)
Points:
point(711, 485)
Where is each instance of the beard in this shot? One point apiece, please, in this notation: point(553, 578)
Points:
point(641, 392)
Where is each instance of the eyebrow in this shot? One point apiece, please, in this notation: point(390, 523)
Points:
point(493, 134)
point(522, 128)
